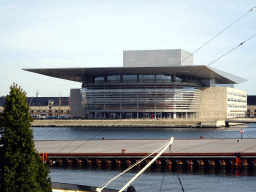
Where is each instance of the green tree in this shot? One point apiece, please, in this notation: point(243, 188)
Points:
point(21, 167)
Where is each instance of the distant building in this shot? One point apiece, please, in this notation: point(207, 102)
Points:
point(45, 106)
point(153, 84)
point(251, 106)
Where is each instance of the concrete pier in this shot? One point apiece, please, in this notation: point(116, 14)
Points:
point(183, 152)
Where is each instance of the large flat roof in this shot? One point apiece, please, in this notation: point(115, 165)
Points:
point(199, 71)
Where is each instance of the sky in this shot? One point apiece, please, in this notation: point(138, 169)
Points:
point(93, 33)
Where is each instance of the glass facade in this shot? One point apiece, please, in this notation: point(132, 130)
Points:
point(141, 96)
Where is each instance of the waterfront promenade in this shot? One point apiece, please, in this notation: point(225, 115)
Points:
point(143, 123)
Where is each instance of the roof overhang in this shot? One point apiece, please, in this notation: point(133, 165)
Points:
point(199, 71)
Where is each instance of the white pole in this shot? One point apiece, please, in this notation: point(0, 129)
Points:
point(138, 174)
point(100, 189)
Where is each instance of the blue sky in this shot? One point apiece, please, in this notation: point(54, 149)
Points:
point(83, 33)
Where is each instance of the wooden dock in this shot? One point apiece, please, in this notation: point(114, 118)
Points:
point(198, 152)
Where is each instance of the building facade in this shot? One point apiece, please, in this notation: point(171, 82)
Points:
point(153, 84)
point(45, 107)
point(219, 102)
point(251, 106)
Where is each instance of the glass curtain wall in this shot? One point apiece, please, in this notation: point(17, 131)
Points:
point(141, 96)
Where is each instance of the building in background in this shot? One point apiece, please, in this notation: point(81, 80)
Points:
point(251, 106)
point(45, 107)
point(153, 84)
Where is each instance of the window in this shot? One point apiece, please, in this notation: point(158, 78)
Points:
point(163, 78)
point(127, 78)
point(113, 78)
point(147, 78)
point(99, 79)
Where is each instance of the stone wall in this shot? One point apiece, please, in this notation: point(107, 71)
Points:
point(214, 103)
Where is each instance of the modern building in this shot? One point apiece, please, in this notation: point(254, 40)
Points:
point(42, 107)
point(153, 84)
point(251, 106)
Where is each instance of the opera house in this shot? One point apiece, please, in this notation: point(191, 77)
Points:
point(153, 84)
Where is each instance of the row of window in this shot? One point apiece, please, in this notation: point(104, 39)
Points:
point(236, 114)
point(236, 106)
point(56, 111)
point(236, 100)
point(237, 94)
point(134, 78)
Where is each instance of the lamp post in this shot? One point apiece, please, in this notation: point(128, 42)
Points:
point(242, 131)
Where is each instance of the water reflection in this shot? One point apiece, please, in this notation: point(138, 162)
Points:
point(81, 133)
point(206, 170)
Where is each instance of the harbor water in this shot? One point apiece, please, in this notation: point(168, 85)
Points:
point(155, 178)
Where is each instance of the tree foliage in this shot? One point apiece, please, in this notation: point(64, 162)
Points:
point(21, 167)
